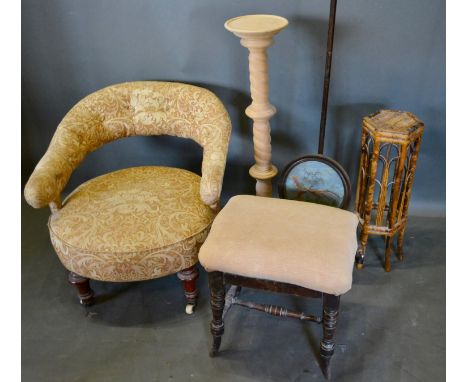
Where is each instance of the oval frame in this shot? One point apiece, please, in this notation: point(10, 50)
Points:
point(319, 158)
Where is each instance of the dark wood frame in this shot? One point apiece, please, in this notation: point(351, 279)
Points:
point(222, 302)
point(318, 158)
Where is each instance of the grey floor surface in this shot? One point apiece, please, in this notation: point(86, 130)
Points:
point(391, 325)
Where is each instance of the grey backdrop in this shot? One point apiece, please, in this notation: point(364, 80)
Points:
point(388, 54)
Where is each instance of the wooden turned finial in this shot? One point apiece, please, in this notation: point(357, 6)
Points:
point(256, 33)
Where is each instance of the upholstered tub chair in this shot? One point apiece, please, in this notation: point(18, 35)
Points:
point(138, 223)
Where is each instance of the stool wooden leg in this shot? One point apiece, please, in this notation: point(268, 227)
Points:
point(85, 293)
point(217, 306)
point(331, 305)
point(189, 278)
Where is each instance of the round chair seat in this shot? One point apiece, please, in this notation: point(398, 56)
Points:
point(304, 244)
point(133, 224)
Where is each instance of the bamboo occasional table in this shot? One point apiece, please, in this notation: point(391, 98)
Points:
point(389, 150)
point(256, 33)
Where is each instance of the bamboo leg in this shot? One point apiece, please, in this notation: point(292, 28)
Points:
point(362, 249)
point(401, 235)
point(407, 196)
point(388, 253)
point(368, 206)
point(360, 192)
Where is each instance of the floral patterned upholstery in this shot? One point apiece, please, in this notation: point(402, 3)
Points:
point(138, 223)
point(133, 224)
point(134, 108)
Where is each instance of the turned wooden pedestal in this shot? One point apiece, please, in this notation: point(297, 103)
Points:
point(389, 150)
point(256, 33)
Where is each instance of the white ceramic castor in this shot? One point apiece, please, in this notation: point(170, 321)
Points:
point(189, 308)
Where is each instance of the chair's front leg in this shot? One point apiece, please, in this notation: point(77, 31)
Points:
point(331, 305)
point(217, 289)
point(85, 293)
point(189, 278)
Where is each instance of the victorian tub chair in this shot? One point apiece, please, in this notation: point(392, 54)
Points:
point(138, 223)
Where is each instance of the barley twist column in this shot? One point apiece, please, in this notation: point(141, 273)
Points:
point(256, 33)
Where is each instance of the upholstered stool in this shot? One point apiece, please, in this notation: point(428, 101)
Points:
point(285, 246)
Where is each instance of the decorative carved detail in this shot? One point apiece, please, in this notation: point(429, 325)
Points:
point(275, 310)
point(85, 293)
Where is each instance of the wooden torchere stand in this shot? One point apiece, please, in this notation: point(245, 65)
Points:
point(256, 33)
point(389, 150)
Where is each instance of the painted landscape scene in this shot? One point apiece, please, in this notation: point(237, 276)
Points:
point(315, 182)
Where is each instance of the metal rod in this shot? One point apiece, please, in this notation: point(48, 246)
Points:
point(326, 79)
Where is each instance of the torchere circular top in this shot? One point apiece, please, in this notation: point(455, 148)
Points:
point(252, 25)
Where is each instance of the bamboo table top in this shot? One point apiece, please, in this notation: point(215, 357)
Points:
point(394, 123)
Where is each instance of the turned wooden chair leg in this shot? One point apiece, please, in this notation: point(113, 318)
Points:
point(218, 292)
point(85, 293)
point(331, 305)
point(189, 278)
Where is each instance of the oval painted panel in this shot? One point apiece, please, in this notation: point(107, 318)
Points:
point(316, 182)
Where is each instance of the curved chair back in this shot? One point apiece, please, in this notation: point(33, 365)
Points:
point(128, 109)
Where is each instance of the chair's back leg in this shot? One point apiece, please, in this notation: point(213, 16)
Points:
point(217, 289)
point(331, 305)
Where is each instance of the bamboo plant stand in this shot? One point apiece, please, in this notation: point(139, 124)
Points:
point(389, 150)
point(256, 33)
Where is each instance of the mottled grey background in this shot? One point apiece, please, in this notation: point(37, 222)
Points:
point(388, 54)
